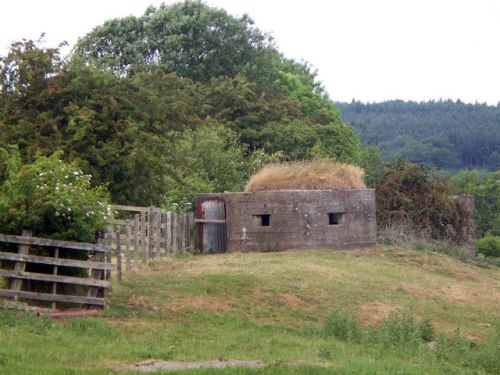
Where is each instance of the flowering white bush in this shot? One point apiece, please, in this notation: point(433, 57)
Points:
point(50, 197)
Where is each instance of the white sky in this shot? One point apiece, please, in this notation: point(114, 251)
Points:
point(370, 50)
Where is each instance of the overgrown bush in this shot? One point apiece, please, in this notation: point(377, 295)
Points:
point(50, 197)
point(410, 192)
point(489, 246)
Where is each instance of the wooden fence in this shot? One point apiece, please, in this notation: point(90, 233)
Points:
point(149, 234)
point(98, 264)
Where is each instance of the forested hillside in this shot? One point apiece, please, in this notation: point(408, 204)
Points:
point(450, 135)
point(182, 100)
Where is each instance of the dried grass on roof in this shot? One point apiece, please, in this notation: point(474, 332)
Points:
point(307, 175)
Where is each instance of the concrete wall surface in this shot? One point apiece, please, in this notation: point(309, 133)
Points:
point(299, 219)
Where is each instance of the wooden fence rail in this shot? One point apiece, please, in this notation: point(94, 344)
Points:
point(149, 234)
point(98, 266)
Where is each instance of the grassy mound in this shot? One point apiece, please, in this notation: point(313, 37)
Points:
point(300, 312)
point(307, 175)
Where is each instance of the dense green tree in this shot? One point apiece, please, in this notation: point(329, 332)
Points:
point(302, 84)
point(188, 38)
point(208, 159)
point(302, 140)
point(27, 95)
point(245, 82)
point(100, 121)
point(24, 71)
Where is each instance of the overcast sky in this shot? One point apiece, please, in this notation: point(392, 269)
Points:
point(370, 50)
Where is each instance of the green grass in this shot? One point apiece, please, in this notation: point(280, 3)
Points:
point(289, 310)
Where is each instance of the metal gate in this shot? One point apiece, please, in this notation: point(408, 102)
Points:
point(212, 225)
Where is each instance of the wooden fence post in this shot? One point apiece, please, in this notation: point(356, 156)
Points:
point(150, 233)
point(119, 256)
point(143, 238)
point(168, 234)
point(97, 273)
point(136, 239)
point(109, 255)
point(16, 284)
point(54, 272)
point(190, 232)
point(157, 233)
point(163, 234)
point(175, 227)
point(127, 245)
point(183, 218)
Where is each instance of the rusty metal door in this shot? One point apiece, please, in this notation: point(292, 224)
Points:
point(212, 221)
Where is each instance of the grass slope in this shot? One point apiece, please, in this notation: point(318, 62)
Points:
point(270, 307)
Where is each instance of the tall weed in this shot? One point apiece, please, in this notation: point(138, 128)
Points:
point(401, 335)
point(400, 330)
point(342, 326)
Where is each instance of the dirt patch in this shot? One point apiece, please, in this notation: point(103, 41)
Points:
point(151, 366)
point(291, 300)
point(376, 312)
point(459, 294)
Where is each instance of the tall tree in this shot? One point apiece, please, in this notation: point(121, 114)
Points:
point(189, 38)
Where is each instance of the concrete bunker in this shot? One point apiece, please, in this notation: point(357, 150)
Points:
point(286, 219)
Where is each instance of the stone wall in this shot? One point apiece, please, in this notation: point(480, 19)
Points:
point(298, 219)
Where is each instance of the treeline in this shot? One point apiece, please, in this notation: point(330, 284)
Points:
point(449, 135)
point(187, 99)
point(182, 100)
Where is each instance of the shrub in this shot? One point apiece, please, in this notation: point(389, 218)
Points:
point(51, 198)
point(409, 192)
point(489, 246)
